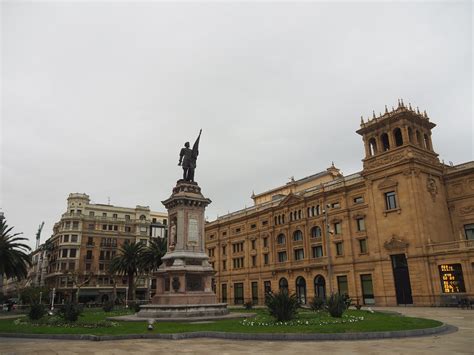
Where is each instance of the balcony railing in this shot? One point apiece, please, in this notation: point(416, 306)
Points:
point(108, 245)
point(451, 246)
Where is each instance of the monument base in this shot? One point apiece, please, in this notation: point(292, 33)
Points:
point(182, 310)
point(185, 298)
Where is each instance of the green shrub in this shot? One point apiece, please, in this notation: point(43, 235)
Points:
point(282, 305)
point(70, 311)
point(317, 304)
point(248, 305)
point(108, 306)
point(37, 311)
point(134, 306)
point(336, 305)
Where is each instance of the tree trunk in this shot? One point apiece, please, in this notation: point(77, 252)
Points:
point(131, 287)
point(114, 291)
point(77, 294)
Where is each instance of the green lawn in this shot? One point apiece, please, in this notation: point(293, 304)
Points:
point(372, 322)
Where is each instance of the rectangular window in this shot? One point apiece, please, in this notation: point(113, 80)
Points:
point(88, 267)
point(253, 244)
point(89, 255)
point(254, 260)
point(317, 251)
point(358, 199)
point(66, 238)
point(127, 217)
point(224, 264)
point(74, 238)
point(91, 226)
point(79, 211)
point(390, 200)
point(360, 224)
point(128, 229)
point(64, 253)
point(282, 256)
point(75, 225)
point(115, 216)
point(452, 280)
point(254, 292)
point(90, 241)
point(104, 214)
point(363, 246)
point(299, 254)
point(342, 285)
point(91, 214)
point(265, 259)
point(72, 266)
point(111, 227)
point(267, 286)
point(335, 205)
point(339, 248)
point(104, 227)
point(223, 250)
point(253, 226)
point(115, 228)
point(224, 293)
point(367, 289)
point(63, 266)
point(264, 223)
point(337, 228)
point(265, 242)
point(239, 293)
point(68, 225)
point(101, 256)
point(101, 267)
point(72, 253)
point(469, 231)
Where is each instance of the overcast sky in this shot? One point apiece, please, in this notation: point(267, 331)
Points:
point(100, 97)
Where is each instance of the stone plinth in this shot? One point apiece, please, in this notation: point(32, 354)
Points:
point(184, 279)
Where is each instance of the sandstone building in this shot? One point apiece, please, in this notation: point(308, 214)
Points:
point(401, 231)
point(84, 242)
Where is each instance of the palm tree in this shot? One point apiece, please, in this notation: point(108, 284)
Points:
point(151, 259)
point(14, 257)
point(128, 263)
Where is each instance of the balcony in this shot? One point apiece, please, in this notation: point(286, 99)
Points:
point(90, 245)
point(108, 245)
point(88, 259)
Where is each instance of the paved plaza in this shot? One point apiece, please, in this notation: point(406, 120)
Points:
point(460, 342)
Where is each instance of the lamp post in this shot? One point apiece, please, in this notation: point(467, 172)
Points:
point(52, 299)
point(328, 247)
point(126, 297)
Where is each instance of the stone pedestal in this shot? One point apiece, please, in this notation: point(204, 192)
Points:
point(184, 279)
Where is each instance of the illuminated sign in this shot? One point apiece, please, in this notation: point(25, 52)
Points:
point(451, 278)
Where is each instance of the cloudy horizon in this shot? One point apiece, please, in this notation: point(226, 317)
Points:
point(99, 97)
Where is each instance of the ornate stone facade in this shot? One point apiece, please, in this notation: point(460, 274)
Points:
point(397, 232)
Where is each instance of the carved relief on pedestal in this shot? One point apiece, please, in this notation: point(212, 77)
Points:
point(395, 243)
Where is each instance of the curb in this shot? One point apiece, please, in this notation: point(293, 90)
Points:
point(444, 328)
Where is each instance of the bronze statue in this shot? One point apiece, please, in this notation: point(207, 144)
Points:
point(187, 159)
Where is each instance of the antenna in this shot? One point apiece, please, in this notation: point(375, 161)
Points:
point(108, 200)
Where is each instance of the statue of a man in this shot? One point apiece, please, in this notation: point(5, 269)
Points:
point(188, 157)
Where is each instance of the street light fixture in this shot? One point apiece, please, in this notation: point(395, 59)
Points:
point(328, 247)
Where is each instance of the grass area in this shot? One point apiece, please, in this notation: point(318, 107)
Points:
point(372, 322)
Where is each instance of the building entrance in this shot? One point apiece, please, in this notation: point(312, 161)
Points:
point(402, 279)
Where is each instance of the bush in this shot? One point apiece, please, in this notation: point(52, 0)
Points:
point(134, 306)
point(336, 305)
point(30, 295)
point(108, 306)
point(70, 311)
point(317, 304)
point(37, 311)
point(282, 305)
point(248, 305)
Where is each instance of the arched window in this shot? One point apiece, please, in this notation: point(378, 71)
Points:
point(283, 284)
point(385, 142)
point(320, 287)
point(301, 289)
point(276, 220)
point(313, 212)
point(297, 235)
point(410, 135)
point(300, 214)
point(372, 146)
point(427, 142)
point(291, 216)
point(315, 232)
point(281, 239)
point(318, 210)
point(279, 219)
point(282, 218)
point(142, 217)
point(397, 133)
point(308, 212)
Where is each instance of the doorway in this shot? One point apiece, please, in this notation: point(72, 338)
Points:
point(401, 277)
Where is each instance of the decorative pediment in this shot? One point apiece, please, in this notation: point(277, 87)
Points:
point(291, 199)
point(387, 183)
point(467, 210)
point(395, 243)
